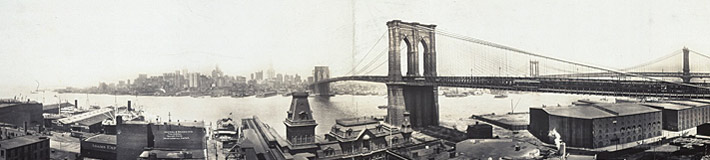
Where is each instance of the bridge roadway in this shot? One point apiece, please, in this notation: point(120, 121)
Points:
point(632, 88)
point(648, 74)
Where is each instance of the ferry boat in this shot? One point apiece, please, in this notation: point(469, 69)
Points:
point(382, 107)
point(500, 96)
point(266, 94)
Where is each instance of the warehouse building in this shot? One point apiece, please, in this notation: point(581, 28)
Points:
point(86, 122)
point(682, 115)
point(25, 147)
point(100, 146)
point(142, 139)
point(21, 113)
point(595, 125)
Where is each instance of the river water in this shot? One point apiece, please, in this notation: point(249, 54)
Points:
point(272, 110)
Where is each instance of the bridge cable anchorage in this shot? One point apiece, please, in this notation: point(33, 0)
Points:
point(503, 47)
point(370, 51)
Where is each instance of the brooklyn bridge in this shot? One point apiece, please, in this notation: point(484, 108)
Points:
point(476, 63)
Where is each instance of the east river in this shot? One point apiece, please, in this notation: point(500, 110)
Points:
point(272, 110)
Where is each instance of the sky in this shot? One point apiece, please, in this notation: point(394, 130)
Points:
point(80, 43)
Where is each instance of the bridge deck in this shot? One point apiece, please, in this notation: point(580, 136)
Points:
point(635, 88)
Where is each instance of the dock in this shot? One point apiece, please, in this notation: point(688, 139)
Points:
point(511, 121)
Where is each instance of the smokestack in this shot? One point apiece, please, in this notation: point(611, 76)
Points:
point(76, 104)
point(129, 105)
point(563, 150)
point(119, 120)
point(25, 127)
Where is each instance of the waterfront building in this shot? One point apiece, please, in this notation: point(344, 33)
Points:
point(362, 137)
point(25, 147)
point(86, 122)
point(704, 129)
point(479, 131)
point(349, 138)
point(141, 138)
point(595, 125)
point(100, 146)
point(683, 115)
point(21, 113)
point(300, 125)
point(54, 108)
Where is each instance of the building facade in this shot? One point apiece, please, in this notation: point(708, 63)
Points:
point(300, 125)
point(100, 146)
point(683, 115)
point(595, 125)
point(140, 138)
point(21, 113)
point(25, 147)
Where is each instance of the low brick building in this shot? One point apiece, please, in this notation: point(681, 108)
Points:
point(595, 125)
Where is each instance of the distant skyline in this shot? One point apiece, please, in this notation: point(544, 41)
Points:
point(81, 43)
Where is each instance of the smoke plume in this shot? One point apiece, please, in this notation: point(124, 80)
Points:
point(557, 136)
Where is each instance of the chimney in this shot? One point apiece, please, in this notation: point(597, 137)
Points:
point(187, 154)
point(25, 127)
point(76, 104)
point(152, 156)
point(563, 150)
point(129, 105)
point(119, 120)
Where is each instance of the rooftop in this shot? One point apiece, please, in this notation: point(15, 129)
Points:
point(7, 103)
point(88, 118)
point(599, 110)
point(702, 100)
point(55, 106)
point(349, 122)
point(197, 124)
point(496, 148)
point(669, 106)
point(102, 138)
point(21, 141)
point(174, 154)
point(688, 103)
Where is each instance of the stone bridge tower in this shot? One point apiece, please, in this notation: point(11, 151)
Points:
point(404, 93)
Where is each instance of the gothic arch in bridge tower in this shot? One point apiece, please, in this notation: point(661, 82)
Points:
point(412, 34)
